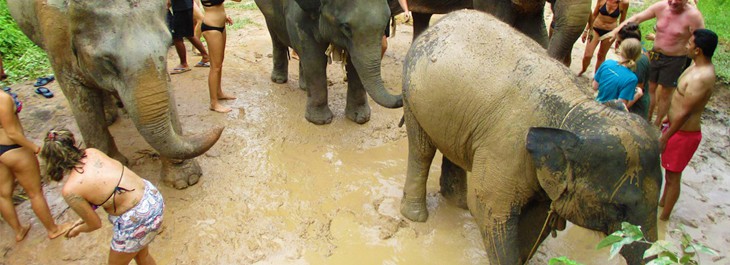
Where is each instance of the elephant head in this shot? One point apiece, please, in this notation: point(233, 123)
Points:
point(590, 187)
point(358, 27)
point(131, 61)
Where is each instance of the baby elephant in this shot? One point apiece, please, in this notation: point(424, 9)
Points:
point(535, 144)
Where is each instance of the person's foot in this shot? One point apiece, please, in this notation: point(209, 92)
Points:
point(23, 232)
point(225, 97)
point(581, 73)
point(60, 230)
point(220, 108)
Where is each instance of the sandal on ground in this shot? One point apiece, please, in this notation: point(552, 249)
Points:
point(202, 64)
point(42, 81)
point(44, 92)
point(179, 70)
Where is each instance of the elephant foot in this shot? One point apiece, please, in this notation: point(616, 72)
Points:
point(359, 114)
point(414, 209)
point(279, 77)
point(180, 174)
point(319, 115)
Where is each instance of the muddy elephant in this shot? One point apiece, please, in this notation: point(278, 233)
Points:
point(104, 49)
point(310, 27)
point(570, 18)
point(533, 141)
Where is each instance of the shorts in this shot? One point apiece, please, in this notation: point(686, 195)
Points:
point(679, 150)
point(182, 24)
point(665, 70)
point(136, 228)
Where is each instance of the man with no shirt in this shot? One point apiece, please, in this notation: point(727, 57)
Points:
point(682, 135)
point(675, 21)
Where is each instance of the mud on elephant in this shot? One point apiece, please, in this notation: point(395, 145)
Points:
point(527, 16)
point(100, 49)
point(310, 27)
point(533, 141)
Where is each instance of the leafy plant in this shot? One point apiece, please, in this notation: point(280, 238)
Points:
point(563, 261)
point(22, 59)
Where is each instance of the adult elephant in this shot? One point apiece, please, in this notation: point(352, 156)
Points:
point(536, 144)
point(310, 27)
point(527, 16)
point(102, 48)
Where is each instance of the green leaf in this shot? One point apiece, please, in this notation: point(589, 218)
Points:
point(633, 231)
point(562, 261)
point(615, 248)
point(609, 240)
point(685, 259)
point(702, 248)
point(657, 248)
point(661, 261)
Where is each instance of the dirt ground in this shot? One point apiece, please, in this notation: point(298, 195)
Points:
point(279, 190)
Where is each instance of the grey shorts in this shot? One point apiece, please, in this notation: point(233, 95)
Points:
point(665, 70)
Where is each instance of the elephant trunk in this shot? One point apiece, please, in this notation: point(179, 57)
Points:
point(149, 108)
point(368, 68)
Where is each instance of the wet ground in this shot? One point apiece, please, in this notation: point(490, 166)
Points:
point(279, 190)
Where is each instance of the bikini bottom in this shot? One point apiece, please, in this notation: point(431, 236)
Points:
point(5, 148)
point(204, 27)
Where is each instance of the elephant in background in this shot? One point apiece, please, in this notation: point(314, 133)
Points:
point(310, 27)
point(104, 49)
point(538, 146)
point(527, 16)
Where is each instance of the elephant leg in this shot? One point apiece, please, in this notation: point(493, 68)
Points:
point(453, 183)
point(180, 174)
point(87, 105)
point(533, 25)
point(110, 109)
point(420, 23)
point(531, 221)
point(420, 155)
point(315, 76)
point(357, 108)
point(280, 72)
point(503, 10)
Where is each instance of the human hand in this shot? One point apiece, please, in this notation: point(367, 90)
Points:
point(229, 21)
point(73, 232)
point(662, 144)
point(650, 36)
point(584, 36)
point(407, 15)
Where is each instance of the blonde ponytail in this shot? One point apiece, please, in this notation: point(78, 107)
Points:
point(630, 51)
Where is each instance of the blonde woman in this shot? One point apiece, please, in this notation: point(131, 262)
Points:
point(18, 162)
point(214, 31)
point(615, 80)
point(94, 180)
point(605, 17)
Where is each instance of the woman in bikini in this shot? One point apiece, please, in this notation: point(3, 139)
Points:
point(605, 17)
point(94, 180)
point(214, 31)
point(18, 162)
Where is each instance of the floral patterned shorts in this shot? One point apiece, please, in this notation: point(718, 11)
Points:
point(136, 228)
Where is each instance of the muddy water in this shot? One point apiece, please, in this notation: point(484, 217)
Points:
point(279, 190)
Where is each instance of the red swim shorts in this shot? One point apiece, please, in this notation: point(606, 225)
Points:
point(680, 148)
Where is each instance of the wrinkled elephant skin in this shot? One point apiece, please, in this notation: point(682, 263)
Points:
point(531, 139)
point(309, 27)
point(99, 49)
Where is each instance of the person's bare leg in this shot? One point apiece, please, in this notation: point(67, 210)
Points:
point(216, 46)
point(120, 258)
point(200, 47)
point(180, 49)
point(24, 166)
point(383, 46)
point(197, 22)
point(652, 99)
point(588, 54)
point(602, 51)
point(671, 193)
point(221, 95)
point(663, 95)
point(144, 258)
point(7, 209)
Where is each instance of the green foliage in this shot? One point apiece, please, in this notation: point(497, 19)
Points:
point(562, 261)
point(22, 59)
point(243, 5)
point(240, 23)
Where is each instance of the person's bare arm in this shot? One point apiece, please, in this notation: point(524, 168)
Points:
point(594, 85)
point(90, 221)
point(404, 6)
point(589, 25)
point(642, 16)
point(11, 124)
point(695, 95)
point(637, 95)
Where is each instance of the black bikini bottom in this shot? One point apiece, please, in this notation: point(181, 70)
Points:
point(601, 32)
point(204, 27)
point(5, 148)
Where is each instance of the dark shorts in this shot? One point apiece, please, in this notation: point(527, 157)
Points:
point(182, 24)
point(665, 70)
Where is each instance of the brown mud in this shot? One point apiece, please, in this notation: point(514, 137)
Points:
point(279, 190)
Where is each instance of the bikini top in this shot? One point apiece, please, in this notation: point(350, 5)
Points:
point(18, 103)
point(211, 2)
point(604, 11)
point(112, 196)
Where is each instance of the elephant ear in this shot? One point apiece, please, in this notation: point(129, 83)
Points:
point(549, 148)
point(310, 6)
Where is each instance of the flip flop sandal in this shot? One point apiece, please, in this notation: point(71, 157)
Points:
point(42, 81)
point(6, 89)
point(44, 92)
point(202, 64)
point(179, 70)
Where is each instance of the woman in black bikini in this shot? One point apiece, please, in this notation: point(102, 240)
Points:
point(18, 161)
point(93, 179)
point(214, 31)
point(605, 17)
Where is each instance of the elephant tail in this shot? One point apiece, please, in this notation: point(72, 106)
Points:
point(402, 121)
